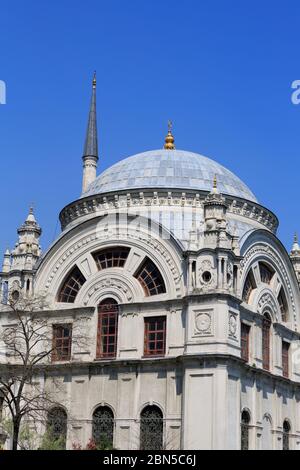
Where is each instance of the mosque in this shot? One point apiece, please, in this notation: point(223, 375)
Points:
point(191, 305)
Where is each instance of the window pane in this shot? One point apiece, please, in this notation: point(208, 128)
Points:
point(111, 257)
point(71, 286)
point(155, 336)
point(62, 342)
point(150, 278)
point(103, 428)
point(151, 429)
point(107, 328)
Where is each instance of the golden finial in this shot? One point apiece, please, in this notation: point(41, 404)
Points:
point(169, 140)
point(215, 184)
point(94, 80)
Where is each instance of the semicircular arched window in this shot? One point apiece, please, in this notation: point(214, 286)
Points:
point(57, 427)
point(286, 435)
point(151, 428)
point(103, 428)
point(150, 278)
point(71, 286)
point(245, 422)
point(115, 257)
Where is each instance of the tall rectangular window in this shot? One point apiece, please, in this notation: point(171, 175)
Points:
point(266, 327)
point(155, 336)
point(285, 359)
point(245, 337)
point(62, 342)
point(107, 334)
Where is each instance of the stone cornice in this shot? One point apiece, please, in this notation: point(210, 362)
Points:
point(162, 198)
point(199, 360)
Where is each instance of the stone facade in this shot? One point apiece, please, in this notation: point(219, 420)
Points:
point(223, 270)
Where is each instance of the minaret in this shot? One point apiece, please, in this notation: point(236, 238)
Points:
point(90, 154)
point(295, 257)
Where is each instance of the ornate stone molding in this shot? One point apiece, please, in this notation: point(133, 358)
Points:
point(260, 249)
point(203, 323)
point(122, 200)
point(267, 300)
point(232, 325)
point(206, 266)
point(107, 284)
point(116, 234)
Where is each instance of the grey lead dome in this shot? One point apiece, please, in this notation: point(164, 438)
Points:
point(171, 169)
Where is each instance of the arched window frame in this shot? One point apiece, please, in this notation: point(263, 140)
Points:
point(103, 427)
point(245, 428)
point(57, 423)
point(283, 305)
point(152, 438)
point(266, 272)
point(71, 286)
point(150, 278)
point(286, 429)
point(249, 286)
point(113, 257)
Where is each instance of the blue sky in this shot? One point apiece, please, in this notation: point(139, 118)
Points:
point(222, 71)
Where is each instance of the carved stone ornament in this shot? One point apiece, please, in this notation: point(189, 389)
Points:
point(102, 236)
point(232, 325)
point(268, 251)
point(230, 275)
point(203, 323)
point(267, 300)
point(207, 276)
point(107, 284)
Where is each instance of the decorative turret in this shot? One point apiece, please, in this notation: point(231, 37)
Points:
point(90, 154)
point(6, 262)
point(27, 250)
point(295, 257)
point(215, 208)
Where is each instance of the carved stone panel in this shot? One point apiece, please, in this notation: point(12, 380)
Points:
point(232, 325)
point(203, 323)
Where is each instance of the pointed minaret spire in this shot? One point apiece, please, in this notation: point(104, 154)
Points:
point(90, 153)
